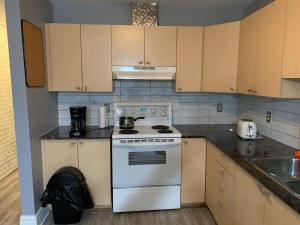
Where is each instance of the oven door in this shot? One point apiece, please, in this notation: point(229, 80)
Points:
point(146, 165)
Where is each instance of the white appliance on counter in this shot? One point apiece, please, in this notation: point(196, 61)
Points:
point(146, 160)
point(246, 129)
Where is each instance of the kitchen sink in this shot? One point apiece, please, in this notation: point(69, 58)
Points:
point(285, 171)
point(294, 185)
point(279, 167)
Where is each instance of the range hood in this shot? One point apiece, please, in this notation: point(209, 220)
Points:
point(143, 73)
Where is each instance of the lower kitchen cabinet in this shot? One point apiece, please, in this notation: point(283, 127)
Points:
point(91, 157)
point(256, 205)
point(58, 154)
point(94, 163)
point(220, 187)
point(249, 200)
point(193, 170)
point(277, 213)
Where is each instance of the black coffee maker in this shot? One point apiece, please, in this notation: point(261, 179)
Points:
point(78, 121)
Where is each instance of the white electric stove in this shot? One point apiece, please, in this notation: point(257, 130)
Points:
point(146, 160)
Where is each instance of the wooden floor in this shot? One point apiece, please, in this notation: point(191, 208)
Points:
point(9, 200)
point(184, 216)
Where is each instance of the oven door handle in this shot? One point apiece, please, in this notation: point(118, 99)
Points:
point(145, 144)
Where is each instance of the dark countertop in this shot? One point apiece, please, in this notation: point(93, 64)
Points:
point(93, 132)
point(225, 138)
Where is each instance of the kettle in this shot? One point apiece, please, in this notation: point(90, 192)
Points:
point(246, 129)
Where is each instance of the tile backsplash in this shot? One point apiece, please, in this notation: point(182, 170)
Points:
point(188, 108)
point(285, 117)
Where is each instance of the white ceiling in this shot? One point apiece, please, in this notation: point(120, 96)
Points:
point(209, 4)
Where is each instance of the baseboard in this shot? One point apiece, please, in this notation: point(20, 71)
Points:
point(37, 219)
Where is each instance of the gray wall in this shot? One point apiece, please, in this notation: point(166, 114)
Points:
point(35, 108)
point(100, 13)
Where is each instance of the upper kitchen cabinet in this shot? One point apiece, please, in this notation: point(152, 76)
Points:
point(270, 49)
point(160, 46)
point(220, 57)
point(291, 56)
point(128, 45)
point(143, 46)
point(189, 59)
point(79, 57)
point(96, 58)
point(247, 53)
point(64, 57)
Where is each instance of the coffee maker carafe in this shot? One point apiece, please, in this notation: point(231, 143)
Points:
point(78, 121)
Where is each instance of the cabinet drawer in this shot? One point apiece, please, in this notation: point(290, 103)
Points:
point(222, 159)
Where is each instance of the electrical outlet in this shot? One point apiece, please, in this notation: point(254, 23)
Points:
point(268, 117)
point(219, 107)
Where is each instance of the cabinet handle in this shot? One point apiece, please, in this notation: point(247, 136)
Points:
point(141, 62)
point(179, 89)
point(148, 63)
point(85, 88)
point(232, 89)
point(185, 142)
point(73, 143)
point(254, 92)
point(78, 88)
point(221, 173)
point(81, 143)
point(263, 191)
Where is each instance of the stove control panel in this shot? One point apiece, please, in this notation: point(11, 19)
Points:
point(154, 113)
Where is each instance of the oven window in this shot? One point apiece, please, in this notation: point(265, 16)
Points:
point(146, 158)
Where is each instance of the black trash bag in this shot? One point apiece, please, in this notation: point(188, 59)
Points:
point(68, 193)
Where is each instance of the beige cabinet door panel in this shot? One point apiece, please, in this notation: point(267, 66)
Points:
point(270, 49)
point(58, 154)
point(220, 57)
point(127, 45)
point(227, 189)
point(291, 55)
point(249, 201)
point(247, 54)
point(64, 50)
point(212, 193)
point(193, 171)
point(160, 46)
point(94, 163)
point(277, 213)
point(189, 59)
point(96, 58)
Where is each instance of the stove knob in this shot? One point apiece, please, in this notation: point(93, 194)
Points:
point(164, 108)
point(153, 111)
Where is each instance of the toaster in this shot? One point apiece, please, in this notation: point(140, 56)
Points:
point(246, 129)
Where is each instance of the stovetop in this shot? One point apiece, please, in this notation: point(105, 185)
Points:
point(145, 132)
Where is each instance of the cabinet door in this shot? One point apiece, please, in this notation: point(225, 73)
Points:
point(64, 52)
point(220, 57)
point(58, 154)
point(291, 56)
point(160, 46)
point(212, 194)
point(193, 171)
point(227, 189)
point(249, 201)
point(189, 59)
point(277, 213)
point(270, 49)
point(127, 45)
point(247, 54)
point(96, 58)
point(94, 163)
